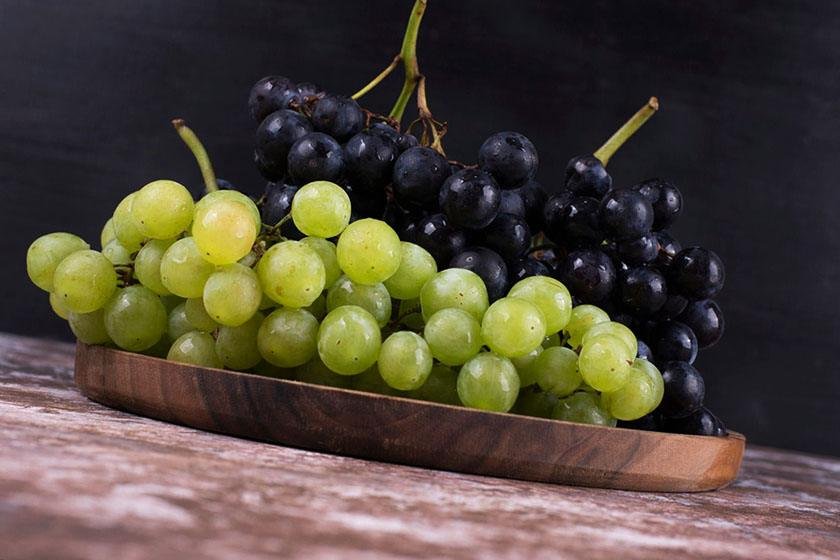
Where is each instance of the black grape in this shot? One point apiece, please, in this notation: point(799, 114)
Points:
point(638, 251)
point(268, 95)
point(684, 390)
point(665, 198)
point(470, 198)
point(697, 273)
point(340, 117)
point(587, 176)
point(643, 291)
point(315, 157)
point(369, 160)
point(488, 265)
point(418, 175)
point(699, 423)
point(578, 224)
point(435, 234)
point(625, 214)
point(526, 267)
point(276, 205)
point(275, 137)
point(589, 274)
point(674, 341)
point(668, 249)
point(705, 319)
point(508, 235)
point(510, 157)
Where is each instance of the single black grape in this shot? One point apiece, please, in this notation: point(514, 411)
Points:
point(306, 91)
point(638, 251)
point(587, 176)
point(589, 274)
point(435, 234)
point(684, 390)
point(642, 291)
point(674, 341)
point(418, 175)
point(665, 198)
point(314, 157)
point(625, 214)
point(275, 137)
point(526, 267)
point(649, 422)
point(488, 265)
point(697, 273)
point(508, 235)
point(705, 319)
point(277, 204)
point(340, 117)
point(578, 224)
point(668, 249)
point(510, 157)
point(674, 305)
point(553, 213)
point(268, 95)
point(644, 352)
point(699, 423)
point(470, 198)
point(369, 160)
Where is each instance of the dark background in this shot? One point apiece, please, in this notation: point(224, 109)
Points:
point(749, 129)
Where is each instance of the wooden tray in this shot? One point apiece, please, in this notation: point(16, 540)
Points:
point(406, 431)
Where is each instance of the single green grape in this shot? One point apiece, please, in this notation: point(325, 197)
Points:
point(373, 298)
point(513, 327)
point(550, 296)
point(292, 274)
point(349, 340)
point(604, 363)
point(288, 337)
point(237, 346)
point(453, 335)
point(405, 361)
point(116, 253)
point(454, 287)
point(177, 323)
point(321, 209)
point(135, 318)
point(556, 370)
point(163, 209)
point(89, 327)
point(183, 271)
point(229, 194)
point(314, 371)
point(417, 266)
point(533, 402)
point(633, 400)
point(617, 330)
point(582, 319)
point(441, 386)
point(583, 408)
point(655, 378)
point(525, 367)
point(198, 317)
point(325, 250)
point(224, 231)
point(368, 251)
point(232, 295)
point(108, 233)
point(45, 254)
point(85, 281)
point(126, 228)
point(147, 265)
point(196, 348)
point(488, 382)
point(58, 307)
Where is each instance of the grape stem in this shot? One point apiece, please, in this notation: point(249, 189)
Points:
point(197, 148)
point(408, 55)
point(382, 75)
point(433, 130)
point(611, 146)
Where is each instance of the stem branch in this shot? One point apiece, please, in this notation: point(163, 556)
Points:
point(197, 149)
point(605, 152)
point(375, 82)
point(408, 54)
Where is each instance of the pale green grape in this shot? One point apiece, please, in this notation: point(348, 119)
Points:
point(288, 337)
point(108, 233)
point(126, 228)
point(582, 319)
point(135, 318)
point(232, 295)
point(453, 335)
point(163, 209)
point(525, 367)
point(321, 209)
point(368, 251)
point(325, 250)
point(441, 386)
point(655, 378)
point(85, 281)
point(198, 317)
point(583, 408)
point(58, 307)
point(147, 265)
point(196, 348)
point(417, 266)
point(224, 231)
point(633, 400)
point(318, 308)
point(349, 340)
point(182, 269)
point(292, 274)
point(45, 254)
point(489, 382)
point(604, 363)
point(89, 327)
point(229, 194)
point(550, 296)
point(557, 372)
point(374, 298)
point(513, 327)
point(454, 287)
point(116, 253)
point(405, 361)
point(617, 330)
point(237, 346)
point(314, 371)
point(533, 402)
point(178, 324)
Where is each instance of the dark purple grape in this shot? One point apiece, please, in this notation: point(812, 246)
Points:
point(684, 390)
point(699, 423)
point(674, 305)
point(510, 157)
point(470, 198)
point(668, 249)
point(697, 273)
point(589, 274)
point(315, 157)
point(649, 422)
point(525, 268)
point(386, 130)
point(644, 352)
point(625, 214)
point(674, 341)
point(307, 91)
point(277, 204)
point(488, 265)
point(639, 251)
point(275, 137)
point(435, 234)
point(369, 160)
point(268, 95)
point(578, 225)
point(587, 176)
point(553, 213)
point(705, 319)
point(418, 175)
point(508, 235)
point(406, 141)
point(340, 117)
point(512, 203)
point(642, 291)
point(665, 198)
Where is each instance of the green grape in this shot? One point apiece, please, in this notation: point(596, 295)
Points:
point(182, 269)
point(58, 307)
point(325, 250)
point(552, 340)
point(229, 194)
point(288, 337)
point(368, 251)
point(349, 340)
point(170, 302)
point(224, 231)
point(441, 387)
point(370, 381)
point(147, 265)
point(453, 335)
point(525, 367)
point(454, 287)
point(321, 209)
point(533, 402)
point(196, 348)
point(557, 372)
point(126, 228)
point(655, 378)
point(417, 266)
point(374, 298)
point(108, 233)
point(489, 382)
point(617, 330)
point(633, 400)
point(237, 346)
point(232, 295)
point(135, 318)
point(178, 324)
point(314, 371)
point(89, 327)
point(550, 296)
point(198, 317)
point(405, 361)
point(513, 327)
point(582, 319)
point(583, 408)
point(604, 363)
point(45, 254)
point(85, 281)
point(318, 308)
point(292, 274)
point(163, 209)
point(116, 253)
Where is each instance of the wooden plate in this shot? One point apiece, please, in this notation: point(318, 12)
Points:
point(406, 431)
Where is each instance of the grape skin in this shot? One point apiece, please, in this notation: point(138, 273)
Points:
point(488, 382)
point(46, 253)
point(292, 274)
point(85, 281)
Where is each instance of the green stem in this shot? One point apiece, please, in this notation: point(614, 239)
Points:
point(197, 149)
point(375, 82)
point(611, 146)
point(408, 54)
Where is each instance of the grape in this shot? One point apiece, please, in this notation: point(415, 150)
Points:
point(697, 273)
point(147, 265)
point(416, 267)
point(488, 382)
point(108, 233)
point(314, 371)
point(573, 221)
point(604, 363)
point(638, 251)
point(89, 327)
point(655, 378)
point(58, 307)
point(633, 400)
point(526, 267)
point(673, 341)
point(510, 157)
point(370, 159)
point(135, 318)
point(435, 234)
point(582, 407)
point(470, 198)
point(325, 250)
point(643, 291)
point(668, 249)
point(126, 228)
point(196, 348)
point(224, 230)
point(84, 281)
point(665, 198)
point(349, 340)
point(182, 269)
point(441, 387)
point(684, 390)
point(533, 402)
point(454, 287)
point(615, 329)
point(288, 337)
point(626, 214)
point(277, 204)
point(178, 323)
point(489, 266)
point(197, 316)
point(705, 319)
point(405, 361)
point(556, 371)
point(232, 295)
point(291, 274)
point(453, 335)
point(550, 296)
point(587, 175)
point(552, 340)
point(318, 308)
point(369, 251)
point(321, 209)
point(582, 319)
point(644, 351)
point(513, 327)
point(230, 195)
point(340, 117)
point(374, 299)
point(418, 175)
point(701, 423)
point(525, 366)
point(589, 274)
point(314, 157)
point(268, 95)
point(45, 254)
point(116, 253)
point(162, 209)
point(275, 136)
point(508, 235)
point(237, 346)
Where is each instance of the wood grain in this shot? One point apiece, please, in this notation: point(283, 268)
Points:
point(405, 431)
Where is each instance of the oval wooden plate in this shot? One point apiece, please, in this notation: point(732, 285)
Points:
point(405, 431)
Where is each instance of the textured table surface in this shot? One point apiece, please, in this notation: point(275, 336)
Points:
point(78, 480)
